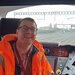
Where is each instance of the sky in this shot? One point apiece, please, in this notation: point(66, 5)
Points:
point(46, 20)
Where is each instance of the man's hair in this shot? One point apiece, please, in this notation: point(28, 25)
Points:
point(28, 19)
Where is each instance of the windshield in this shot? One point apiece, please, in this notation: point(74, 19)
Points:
point(56, 23)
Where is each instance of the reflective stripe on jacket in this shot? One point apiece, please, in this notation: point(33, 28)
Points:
point(40, 65)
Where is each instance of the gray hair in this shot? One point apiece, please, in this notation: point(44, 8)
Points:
point(28, 19)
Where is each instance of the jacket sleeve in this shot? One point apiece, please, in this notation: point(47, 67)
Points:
point(46, 67)
point(1, 70)
point(1, 66)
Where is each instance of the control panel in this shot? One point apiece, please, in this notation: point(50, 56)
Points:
point(61, 61)
point(69, 68)
point(53, 61)
point(57, 57)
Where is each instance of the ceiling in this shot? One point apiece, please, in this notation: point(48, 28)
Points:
point(9, 5)
point(34, 2)
point(5, 9)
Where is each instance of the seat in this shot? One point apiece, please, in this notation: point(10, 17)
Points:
point(8, 26)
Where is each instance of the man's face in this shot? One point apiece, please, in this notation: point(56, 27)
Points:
point(27, 31)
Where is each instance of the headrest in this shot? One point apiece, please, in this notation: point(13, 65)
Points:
point(8, 26)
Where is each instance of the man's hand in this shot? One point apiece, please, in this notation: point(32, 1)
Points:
point(52, 74)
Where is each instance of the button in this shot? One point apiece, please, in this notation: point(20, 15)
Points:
point(58, 71)
point(66, 53)
point(63, 59)
point(74, 71)
point(73, 55)
point(59, 58)
point(71, 69)
point(60, 65)
point(70, 58)
point(73, 74)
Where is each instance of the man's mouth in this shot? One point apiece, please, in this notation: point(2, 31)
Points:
point(27, 37)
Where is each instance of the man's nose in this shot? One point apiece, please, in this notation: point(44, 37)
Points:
point(29, 31)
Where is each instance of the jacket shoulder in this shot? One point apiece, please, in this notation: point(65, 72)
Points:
point(9, 37)
point(38, 45)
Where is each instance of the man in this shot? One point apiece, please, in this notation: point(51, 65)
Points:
point(21, 54)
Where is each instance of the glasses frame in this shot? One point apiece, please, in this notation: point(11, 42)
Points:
point(26, 28)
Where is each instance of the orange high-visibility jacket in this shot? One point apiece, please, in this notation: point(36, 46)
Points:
point(40, 65)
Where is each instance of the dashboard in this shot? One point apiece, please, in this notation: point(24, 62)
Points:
point(61, 58)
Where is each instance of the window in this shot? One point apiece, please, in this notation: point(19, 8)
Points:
point(56, 23)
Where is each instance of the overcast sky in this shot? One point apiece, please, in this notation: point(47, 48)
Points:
point(46, 20)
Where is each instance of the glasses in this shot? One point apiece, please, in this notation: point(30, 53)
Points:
point(26, 28)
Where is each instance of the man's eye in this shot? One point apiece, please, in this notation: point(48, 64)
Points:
point(32, 29)
point(25, 28)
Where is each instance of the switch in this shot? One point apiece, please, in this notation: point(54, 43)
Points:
point(73, 63)
point(66, 74)
point(67, 68)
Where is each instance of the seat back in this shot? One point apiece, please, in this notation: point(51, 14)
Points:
point(8, 26)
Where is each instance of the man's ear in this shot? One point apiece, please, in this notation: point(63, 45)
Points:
point(36, 32)
point(16, 31)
